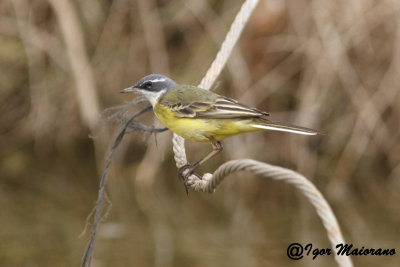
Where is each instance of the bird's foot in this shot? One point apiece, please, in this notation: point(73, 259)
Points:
point(185, 172)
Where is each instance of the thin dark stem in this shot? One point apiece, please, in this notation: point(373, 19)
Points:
point(138, 126)
point(87, 256)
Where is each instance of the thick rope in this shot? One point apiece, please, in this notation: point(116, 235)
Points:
point(209, 182)
point(216, 67)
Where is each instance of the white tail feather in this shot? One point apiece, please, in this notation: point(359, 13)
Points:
point(277, 128)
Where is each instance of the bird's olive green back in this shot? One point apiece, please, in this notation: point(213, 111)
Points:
point(186, 94)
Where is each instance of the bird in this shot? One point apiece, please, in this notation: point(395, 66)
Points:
point(200, 115)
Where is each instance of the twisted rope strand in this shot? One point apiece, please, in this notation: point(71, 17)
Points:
point(216, 67)
point(324, 211)
point(229, 43)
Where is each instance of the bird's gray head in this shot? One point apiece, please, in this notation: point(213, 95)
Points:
point(152, 86)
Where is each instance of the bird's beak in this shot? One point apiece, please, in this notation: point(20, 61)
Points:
point(129, 90)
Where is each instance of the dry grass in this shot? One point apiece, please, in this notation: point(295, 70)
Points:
point(330, 65)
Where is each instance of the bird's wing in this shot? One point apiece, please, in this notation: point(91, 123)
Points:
point(218, 108)
point(188, 101)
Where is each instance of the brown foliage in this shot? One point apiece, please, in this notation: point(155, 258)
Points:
point(329, 65)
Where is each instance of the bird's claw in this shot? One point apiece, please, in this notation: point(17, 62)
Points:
point(184, 173)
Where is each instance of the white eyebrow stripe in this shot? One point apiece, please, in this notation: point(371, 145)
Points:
point(158, 80)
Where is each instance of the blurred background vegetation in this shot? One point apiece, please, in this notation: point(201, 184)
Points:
point(329, 65)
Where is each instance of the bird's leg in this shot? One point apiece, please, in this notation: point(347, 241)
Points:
point(217, 148)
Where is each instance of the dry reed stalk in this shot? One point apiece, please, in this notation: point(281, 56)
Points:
point(80, 66)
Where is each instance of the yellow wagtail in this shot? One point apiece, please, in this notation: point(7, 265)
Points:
point(203, 116)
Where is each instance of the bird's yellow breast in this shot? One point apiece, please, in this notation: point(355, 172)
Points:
point(202, 130)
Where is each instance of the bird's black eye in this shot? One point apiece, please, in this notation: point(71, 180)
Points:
point(148, 84)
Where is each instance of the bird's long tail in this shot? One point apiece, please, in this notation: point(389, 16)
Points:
point(277, 126)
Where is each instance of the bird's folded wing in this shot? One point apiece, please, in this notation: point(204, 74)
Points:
point(220, 108)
